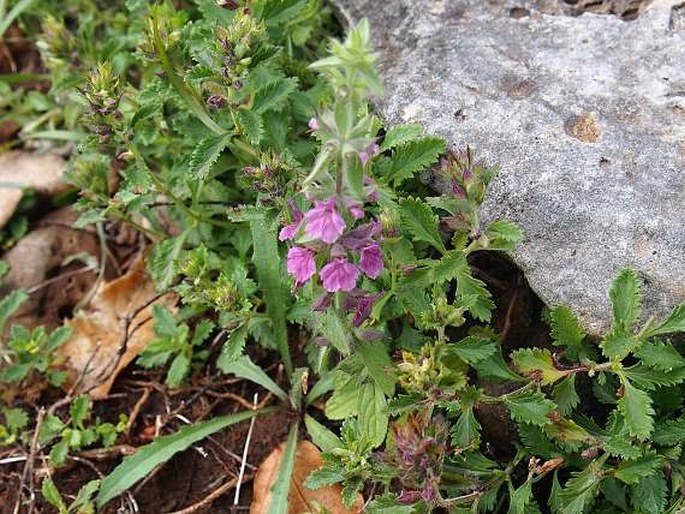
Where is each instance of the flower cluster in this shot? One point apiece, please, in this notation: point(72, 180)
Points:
point(334, 239)
point(324, 230)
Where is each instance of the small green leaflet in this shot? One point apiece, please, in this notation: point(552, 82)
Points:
point(625, 299)
point(566, 330)
point(674, 323)
point(650, 494)
point(10, 304)
point(420, 222)
point(412, 157)
point(631, 471)
point(636, 407)
point(274, 96)
point(147, 458)
point(343, 402)
point(503, 236)
point(660, 355)
point(251, 125)
point(400, 135)
point(206, 153)
point(372, 410)
point(565, 396)
point(473, 349)
point(670, 432)
point(379, 365)
point(537, 364)
point(531, 408)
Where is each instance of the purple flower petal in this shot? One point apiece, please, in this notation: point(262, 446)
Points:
point(324, 222)
point(339, 275)
point(361, 236)
point(364, 306)
point(371, 262)
point(288, 232)
point(313, 124)
point(301, 264)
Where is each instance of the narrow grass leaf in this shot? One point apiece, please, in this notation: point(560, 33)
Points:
point(141, 464)
point(281, 487)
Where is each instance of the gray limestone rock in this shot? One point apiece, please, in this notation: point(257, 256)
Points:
point(584, 113)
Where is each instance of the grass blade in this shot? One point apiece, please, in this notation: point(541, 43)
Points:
point(138, 466)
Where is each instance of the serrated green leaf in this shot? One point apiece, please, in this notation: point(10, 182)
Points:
point(466, 430)
point(401, 134)
point(670, 432)
point(636, 407)
point(618, 344)
point(79, 410)
point(274, 96)
point(372, 410)
point(420, 222)
point(537, 364)
point(52, 496)
point(178, 370)
point(649, 379)
point(473, 349)
point(15, 419)
point(251, 125)
point(163, 260)
point(474, 294)
point(494, 367)
point(631, 471)
point(580, 490)
point(674, 323)
point(281, 487)
point(531, 408)
point(10, 304)
point(520, 498)
point(232, 348)
point(649, 495)
point(660, 355)
point(566, 331)
point(343, 402)
point(625, 299)
point(205, 154)
point(412, 157)
point(147, 458)
point(378, 364)
point(565, 396)
point(503, 236)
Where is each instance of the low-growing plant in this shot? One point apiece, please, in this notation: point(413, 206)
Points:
point(284, 216)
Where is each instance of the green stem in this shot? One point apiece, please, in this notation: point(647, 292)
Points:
point(188, 94)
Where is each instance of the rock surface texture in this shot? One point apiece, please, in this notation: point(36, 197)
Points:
point(583, 106)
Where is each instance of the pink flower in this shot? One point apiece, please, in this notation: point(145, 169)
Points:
point(372, 150)
point(289, 231)
point(339, 275)
point(355, 210)
point(301, 264)
point(313, 124)
point(371, 262)
point(324, 222)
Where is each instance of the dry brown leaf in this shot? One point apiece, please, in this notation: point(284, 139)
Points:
point(19, 169)
point(99, 331)
point(301, 500)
